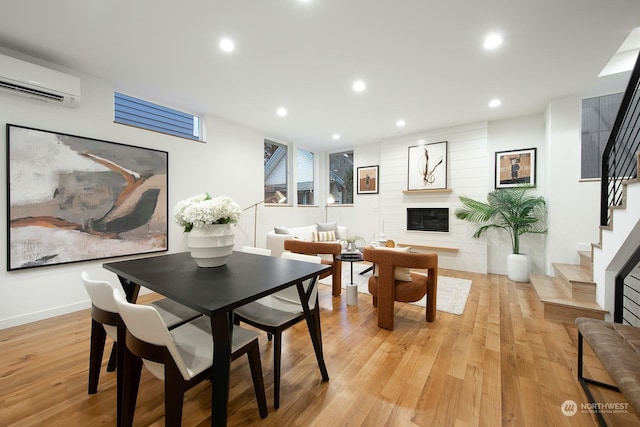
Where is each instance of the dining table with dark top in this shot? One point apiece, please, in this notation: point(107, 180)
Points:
point(216, 292)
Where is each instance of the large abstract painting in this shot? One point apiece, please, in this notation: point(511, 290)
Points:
point(73, 199)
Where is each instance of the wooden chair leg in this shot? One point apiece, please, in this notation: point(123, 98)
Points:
point(131, 382)
point(253, 354)
point(277, 356)
point(98, 338)
point(174, 387)
point(113, 359)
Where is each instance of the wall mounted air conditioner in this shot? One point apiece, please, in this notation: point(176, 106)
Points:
point(26, 79)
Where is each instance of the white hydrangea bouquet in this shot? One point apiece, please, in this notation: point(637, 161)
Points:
point(202, 209)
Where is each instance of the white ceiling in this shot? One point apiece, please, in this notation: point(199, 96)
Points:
point(422, 60)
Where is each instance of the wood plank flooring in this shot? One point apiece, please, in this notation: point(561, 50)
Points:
point(500, 363)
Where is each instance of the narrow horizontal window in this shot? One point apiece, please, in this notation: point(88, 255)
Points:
point(147, 115)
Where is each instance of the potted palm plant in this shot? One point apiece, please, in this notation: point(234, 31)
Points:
point(514, 210)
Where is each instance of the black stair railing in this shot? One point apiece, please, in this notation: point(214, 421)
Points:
point(619, 162)
point(627, 292)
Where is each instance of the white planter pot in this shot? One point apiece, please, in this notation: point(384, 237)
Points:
point(518, 267)
point(212, 245)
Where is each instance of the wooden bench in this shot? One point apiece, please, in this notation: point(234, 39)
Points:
point(617, 346)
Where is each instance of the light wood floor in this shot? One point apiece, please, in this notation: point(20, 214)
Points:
point(500, 363)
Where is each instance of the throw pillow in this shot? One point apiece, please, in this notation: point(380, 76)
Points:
point(324, 236)
point(327, 226)
point(402, 274)
point(281, 230)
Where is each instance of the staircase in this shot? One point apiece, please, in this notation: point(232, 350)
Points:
point(619, 240)
point(571, 293)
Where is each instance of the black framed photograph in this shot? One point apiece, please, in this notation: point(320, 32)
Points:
point(515, 167)
point(368, 179)
point(72, 198)
point(427, 166)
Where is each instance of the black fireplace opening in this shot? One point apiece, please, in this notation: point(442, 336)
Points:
point(428, 219)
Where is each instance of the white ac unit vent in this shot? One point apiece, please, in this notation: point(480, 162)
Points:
point(26, 79)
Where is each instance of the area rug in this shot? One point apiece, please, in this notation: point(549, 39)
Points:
point(452, 292)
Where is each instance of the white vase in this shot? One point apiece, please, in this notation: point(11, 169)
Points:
point(518, 267)
point(211, 245)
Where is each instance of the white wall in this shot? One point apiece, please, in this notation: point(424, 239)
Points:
point(230, 163)
point(515, 134)
point(573, 205)
point(466, 175)
point(555, 134)
point(365, 217)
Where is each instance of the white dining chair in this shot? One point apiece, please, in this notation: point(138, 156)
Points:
point(277, 312)
point(104, 314)
point(181, 357)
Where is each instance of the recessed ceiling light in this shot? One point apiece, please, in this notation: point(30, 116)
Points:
point(336, 136)
point(227, 45)
point(400, 123)
point(281, 112)
point(359, 86)
point(492, 41)
point(495, 103)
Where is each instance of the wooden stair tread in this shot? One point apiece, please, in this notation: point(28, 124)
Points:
point(592, 306)
point(547, 288)
point(551, 292)
point(585, 260)
point(585, 254)
point(574, 273)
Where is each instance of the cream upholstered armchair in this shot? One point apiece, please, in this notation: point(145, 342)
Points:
point(386, 288)
point(321, 248)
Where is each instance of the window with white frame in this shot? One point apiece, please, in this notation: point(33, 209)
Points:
point(147, 115)
point(275, 171)
point(305, 177)
point(341, 177)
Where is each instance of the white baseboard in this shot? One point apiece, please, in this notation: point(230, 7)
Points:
point(52, 312)
point(45, 314)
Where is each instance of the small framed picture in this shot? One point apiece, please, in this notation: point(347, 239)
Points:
point(516, 167)
point(427, 168)
point(368, 179)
